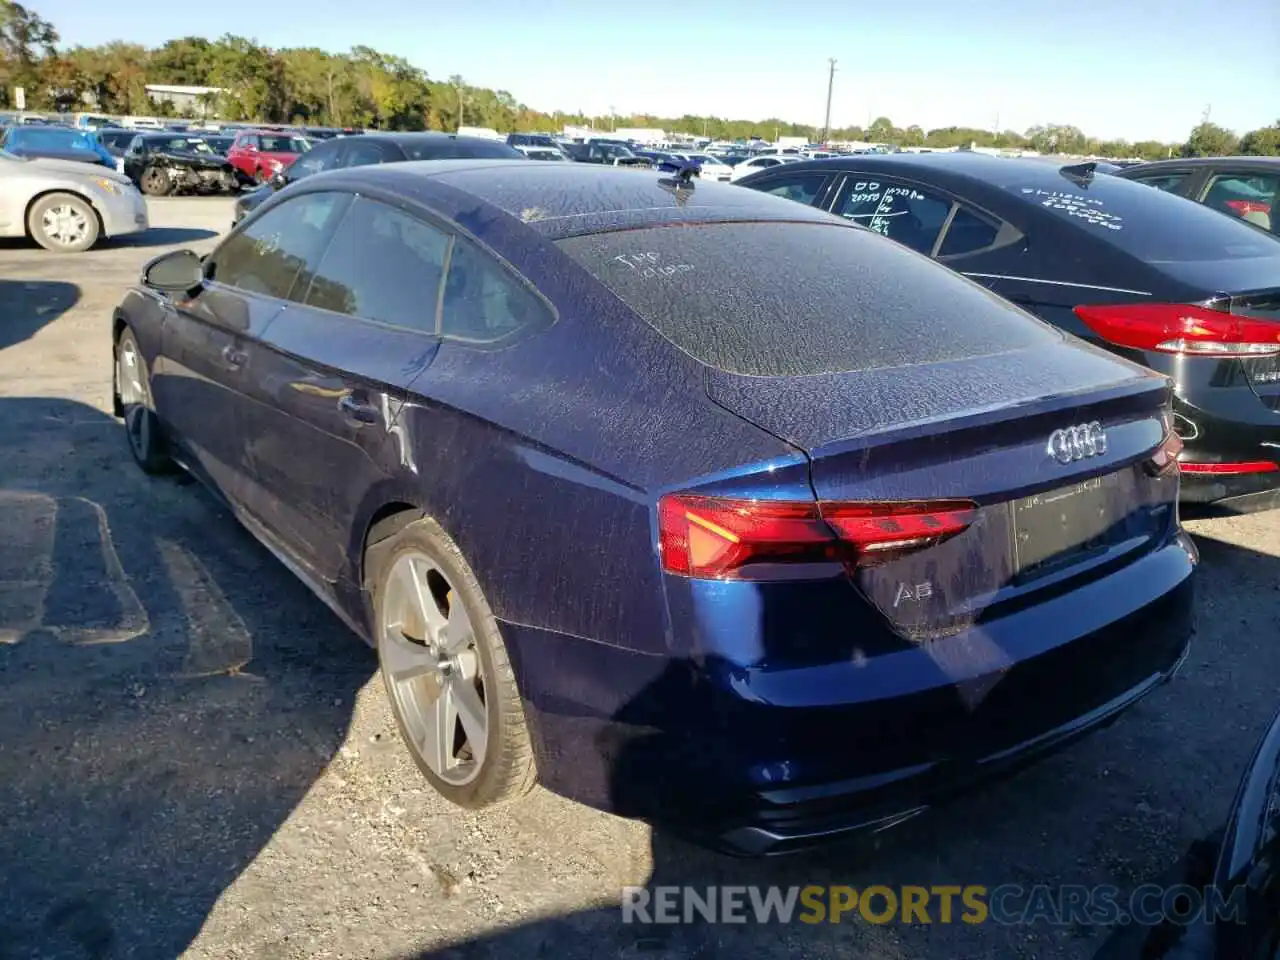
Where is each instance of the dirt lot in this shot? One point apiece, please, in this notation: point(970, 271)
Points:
point(196, 757)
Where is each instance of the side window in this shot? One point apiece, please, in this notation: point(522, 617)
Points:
point(383, 265)
point(967, 232)
point(323, 157)
point(483, 302)
point(801, 187)
point(362, 154)
point(135, 145)
point(909, 215)
point(1168, 182)
point(267, 255)
point(1249, 196)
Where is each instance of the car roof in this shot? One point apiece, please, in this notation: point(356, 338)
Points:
point(423, 136)
point(564, 200)
point(1271, 164)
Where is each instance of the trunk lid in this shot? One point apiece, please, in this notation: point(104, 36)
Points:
point(979, 430)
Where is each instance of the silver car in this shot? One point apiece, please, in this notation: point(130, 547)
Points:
point(65, 206)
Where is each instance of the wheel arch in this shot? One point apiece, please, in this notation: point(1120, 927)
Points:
point(26, 212)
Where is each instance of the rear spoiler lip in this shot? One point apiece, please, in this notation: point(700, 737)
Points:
point(1001, 413)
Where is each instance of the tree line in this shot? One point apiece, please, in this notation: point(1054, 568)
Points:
point(366, 88)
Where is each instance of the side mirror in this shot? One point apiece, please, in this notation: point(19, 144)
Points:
point(178, 272)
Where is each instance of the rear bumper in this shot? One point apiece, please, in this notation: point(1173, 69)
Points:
point(1213, 438)
point(758, 762)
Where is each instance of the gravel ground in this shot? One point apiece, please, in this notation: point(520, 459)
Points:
point(196, 757)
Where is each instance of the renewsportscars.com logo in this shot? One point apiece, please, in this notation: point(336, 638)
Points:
point(1007, 904)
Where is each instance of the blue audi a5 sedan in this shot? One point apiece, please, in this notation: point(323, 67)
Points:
point(686, 501)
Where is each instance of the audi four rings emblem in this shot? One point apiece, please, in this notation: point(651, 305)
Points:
point(1076, 443)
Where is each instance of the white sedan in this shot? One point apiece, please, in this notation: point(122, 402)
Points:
point(713, 168)
point(759, 163)
point(755, 164)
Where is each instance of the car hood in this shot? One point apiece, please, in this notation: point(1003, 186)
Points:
point(189, 158)
point(65, 167)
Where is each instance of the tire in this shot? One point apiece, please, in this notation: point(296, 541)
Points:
point(63, 223)
point(260, 176)
point(154, 182)
point(132, 388)
point(419, 570)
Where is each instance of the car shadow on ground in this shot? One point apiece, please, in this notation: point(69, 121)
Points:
point(170, 693)
point(26, 306)
point(1121, 807)
point(160, 237)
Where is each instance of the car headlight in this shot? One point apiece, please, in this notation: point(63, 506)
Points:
point(111, 186)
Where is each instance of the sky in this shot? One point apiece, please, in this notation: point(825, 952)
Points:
point(1132, 69)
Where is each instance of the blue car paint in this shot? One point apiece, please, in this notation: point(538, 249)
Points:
point(763, 715)
point(61, 143)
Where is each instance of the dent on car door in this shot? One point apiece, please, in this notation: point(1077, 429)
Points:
point(334, 369)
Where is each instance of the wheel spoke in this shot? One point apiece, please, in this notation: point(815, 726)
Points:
point(457, 634)
point(439, 722)
point(406, 661)
point(472, 714)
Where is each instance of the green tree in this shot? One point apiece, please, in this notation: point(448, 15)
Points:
point(25, 39)
point(1210, 140)
point(1263, 142)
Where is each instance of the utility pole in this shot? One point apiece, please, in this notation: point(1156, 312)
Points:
point(613, 119)
point(831, 82)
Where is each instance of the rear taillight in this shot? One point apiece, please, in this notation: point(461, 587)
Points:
point(1223, 469)
point(731, 539)
point(1181, 328)
point(1245, 207)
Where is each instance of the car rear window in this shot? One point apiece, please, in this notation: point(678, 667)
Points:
point(780, 299)
point(475, 149)
point(1154, 226)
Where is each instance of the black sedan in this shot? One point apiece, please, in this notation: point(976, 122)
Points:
point(371, 148)
point(682, 500)
point(164, 163)
point(1147, 275)
point(1243, 187)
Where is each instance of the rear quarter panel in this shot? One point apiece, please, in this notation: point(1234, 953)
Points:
point(544, 459)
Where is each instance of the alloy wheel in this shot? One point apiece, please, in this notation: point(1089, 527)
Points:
point(65, 224)
point(428, 651)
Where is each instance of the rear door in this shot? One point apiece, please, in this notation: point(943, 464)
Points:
point(331, 372)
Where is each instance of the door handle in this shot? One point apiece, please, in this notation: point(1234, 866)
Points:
point(360, 412)
point(234, 357)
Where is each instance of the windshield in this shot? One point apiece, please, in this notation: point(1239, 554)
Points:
point(284, 144)
point(186, 145)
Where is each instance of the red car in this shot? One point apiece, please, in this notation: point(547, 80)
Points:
point(258, 154)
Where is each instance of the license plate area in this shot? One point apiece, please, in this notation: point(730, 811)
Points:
point(1057, 526)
